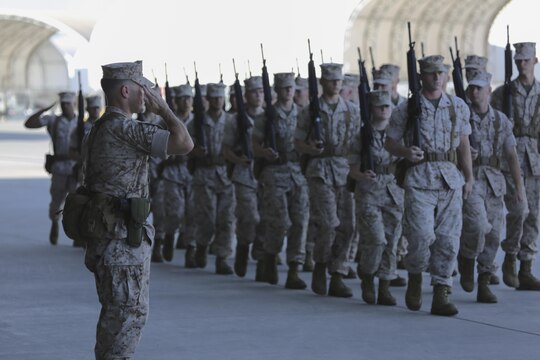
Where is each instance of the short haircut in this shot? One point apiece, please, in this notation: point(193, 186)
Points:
point(110, 86)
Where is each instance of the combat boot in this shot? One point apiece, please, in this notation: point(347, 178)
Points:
point(241, 260)
point(510, 277)
point(398, 282)
point(200, 256)
point(338, 288)
point(368, 288)
point(53, 235)
point(384, 297)
point(156, 251)
point(270, 269)
point(494, 280)
point(466, 271)
point(351, 274)
point(259, 271)
point(318, 280)
point(189, 261)
point(484, 294)
point(413, 295)
point(293, 280)
point(222, 268)
point(527, 281)
point(168, 247)
point(308, 264)
point(180, 242)
point(441, 305)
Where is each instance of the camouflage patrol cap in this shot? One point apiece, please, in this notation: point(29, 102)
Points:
point(183, 90)
point(126, 71)
point(476, 62)
point(93, 101)
point(215, 90)
point(67, 97)
point(351, 80)
point(301, 83)
point(525, 51)
point(253, 83)
point(432, 63)
point(392, 69)
point(382, 77)
point(283, 80)
point(380, 98)
point(480, 79)
point(331, 71)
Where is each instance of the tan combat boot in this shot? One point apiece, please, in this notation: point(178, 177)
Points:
point(440, 304)
point(318, 280)
point(484, 294)
point(527, 281)
point(270, 269)
point(413, 295)
point(241, 260)
point(222, 268)
point(293, 280)
point(156, 251)
point(168, 247)
point(368, 288)
point(466, 271)
point(385, 297)
point(338, 288)
point(510, 277)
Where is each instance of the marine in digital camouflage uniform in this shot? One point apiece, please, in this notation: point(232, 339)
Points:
point(213, 191)
point(483, 211)
point(115, 171)
point(523, 221)
point(331, 204)
point(62, 129)
point(379, 205)
point(434, 187)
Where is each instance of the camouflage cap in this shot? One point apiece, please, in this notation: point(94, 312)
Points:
point(380, 98)
point(301, 83)
point(382, 77)
point(93, 101)
point(67, 97)
point(392, 69)
point(283, 80)
point(183, 90)
point(480, 79)
point(351, 80)
point(525, 51)
point(476, 62)
point(432, 63)
point(253, 83)
point(126, 71)
point(215, 90)
point(331, 71)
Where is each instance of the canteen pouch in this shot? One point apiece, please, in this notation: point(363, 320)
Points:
point(98, 217)
point(138, 213)
point(49, 161)
point(72, 213)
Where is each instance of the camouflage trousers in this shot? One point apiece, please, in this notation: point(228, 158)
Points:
point(285, 208)
point(247, 214)
point(432, 225)
point(157, 206)
point(61, 186)
point(380, 227)
point(257, 249)
point(214, 217)
point(523, 219)
point(178, 211)
point(310, 238)
point(331, 210)
point(122, 275)
point(483, 219)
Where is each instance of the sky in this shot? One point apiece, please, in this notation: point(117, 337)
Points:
point(213, 32)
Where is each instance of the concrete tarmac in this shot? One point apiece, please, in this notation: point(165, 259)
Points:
point(49, 307)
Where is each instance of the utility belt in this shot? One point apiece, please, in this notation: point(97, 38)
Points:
point(450, 156)
point(493, 161)
point(385, 169)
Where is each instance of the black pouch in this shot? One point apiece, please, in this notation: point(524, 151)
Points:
point(72, 213)
point(49, 161)
point(138, 213)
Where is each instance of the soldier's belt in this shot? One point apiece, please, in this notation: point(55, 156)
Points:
point(526, 133)
point(450, 156)
point(492, 161)
point(385, 169)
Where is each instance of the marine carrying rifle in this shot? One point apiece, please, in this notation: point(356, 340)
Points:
point(507, 92)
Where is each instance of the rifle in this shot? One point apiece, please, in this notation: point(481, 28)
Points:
point(366, 132)
point(422, 48)
point(457, 74)
point(269, 109)
point(168, 92)
point(242, 121)
point(507, 93)
point(80, 116)
point(413, 105)
point(198, 114)
point(373, 68)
